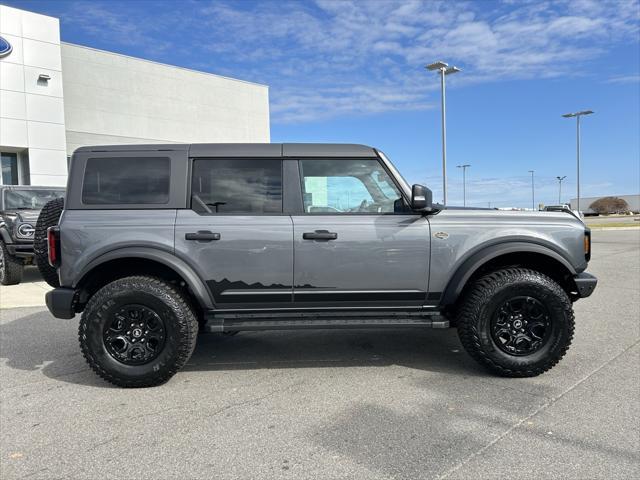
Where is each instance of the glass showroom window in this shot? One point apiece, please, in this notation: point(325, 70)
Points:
point(9, 163)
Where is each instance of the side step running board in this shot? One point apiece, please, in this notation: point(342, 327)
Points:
point(225, 323)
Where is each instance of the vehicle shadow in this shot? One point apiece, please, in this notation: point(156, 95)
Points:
point(39, 342)
point(424, 349)
point(31, 275)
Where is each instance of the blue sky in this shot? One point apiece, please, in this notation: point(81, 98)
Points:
point(353, 71)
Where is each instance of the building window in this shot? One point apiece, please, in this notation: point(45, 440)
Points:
point(9, 164)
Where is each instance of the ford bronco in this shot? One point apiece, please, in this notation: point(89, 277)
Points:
point(158, 242)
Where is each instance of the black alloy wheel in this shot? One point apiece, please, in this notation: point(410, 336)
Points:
point(520, 326)
point(135, 335)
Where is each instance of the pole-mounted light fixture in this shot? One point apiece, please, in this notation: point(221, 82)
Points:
point(560, 179)
point(578, 115)
point(533, 195)
point(464, 182)
point(444, 70)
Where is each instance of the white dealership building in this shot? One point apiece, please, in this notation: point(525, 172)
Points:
point(56, 96)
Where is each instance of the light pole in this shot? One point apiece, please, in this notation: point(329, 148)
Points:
point(444, 70)
point(464, 183)
point(578, 115)
point(560, 189)
point(533, 196)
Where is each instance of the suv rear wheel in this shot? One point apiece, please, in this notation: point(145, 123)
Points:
point(516, 322)
point(137, 331)
point(11, 268)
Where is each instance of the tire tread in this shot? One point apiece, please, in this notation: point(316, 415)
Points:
point(480, 293)
point(13, 267)
point(185, 317)
point(49, 217)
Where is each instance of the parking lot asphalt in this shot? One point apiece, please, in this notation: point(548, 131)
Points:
point(334, 404)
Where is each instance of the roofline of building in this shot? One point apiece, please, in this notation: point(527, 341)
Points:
point(165, 64)
point(57, 19)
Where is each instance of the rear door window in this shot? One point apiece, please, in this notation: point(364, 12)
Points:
point(126, 180)
point(237, 186)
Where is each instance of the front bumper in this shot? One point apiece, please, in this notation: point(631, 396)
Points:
point(585, 283)
point(60, 302)
point(21, 250)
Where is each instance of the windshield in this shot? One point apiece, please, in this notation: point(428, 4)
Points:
point(396, 173)
point(17, 199)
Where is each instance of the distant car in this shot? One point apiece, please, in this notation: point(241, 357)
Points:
point(157, 242)
point(20, 206)
point(557, 208)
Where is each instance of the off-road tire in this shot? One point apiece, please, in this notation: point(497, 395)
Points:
point(49, 217)
point(11, 268)
point(485, 296)
point(169, 303)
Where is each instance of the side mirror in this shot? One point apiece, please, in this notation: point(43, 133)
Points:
point(421, 198)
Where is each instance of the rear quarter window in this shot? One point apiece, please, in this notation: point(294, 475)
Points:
point(126, 180)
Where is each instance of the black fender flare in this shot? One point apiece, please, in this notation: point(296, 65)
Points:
point(195, 283)
point(474, 261)
point(5, 235)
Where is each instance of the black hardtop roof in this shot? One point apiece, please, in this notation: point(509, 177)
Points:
point(246, 149)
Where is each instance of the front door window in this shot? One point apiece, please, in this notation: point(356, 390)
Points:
point(348, 186)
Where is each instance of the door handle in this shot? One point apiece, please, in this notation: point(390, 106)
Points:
point(320, 235)
point(202, 236)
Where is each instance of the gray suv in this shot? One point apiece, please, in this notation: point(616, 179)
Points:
point(159, 242)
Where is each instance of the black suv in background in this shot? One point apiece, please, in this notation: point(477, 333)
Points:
point(20, 206)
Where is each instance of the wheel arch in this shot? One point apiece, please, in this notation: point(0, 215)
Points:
point(526, 254)
point(140, 260)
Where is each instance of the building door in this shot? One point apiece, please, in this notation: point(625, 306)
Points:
point(357, 244)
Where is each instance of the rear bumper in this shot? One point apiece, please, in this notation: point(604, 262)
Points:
point(60, 302)
point(586, 284)
point(21, 250)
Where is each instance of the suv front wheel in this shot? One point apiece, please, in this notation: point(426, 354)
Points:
point(516, 322)
point(11, 268)
point(138, 331)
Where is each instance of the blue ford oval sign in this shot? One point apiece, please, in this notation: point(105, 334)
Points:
point(5, 47)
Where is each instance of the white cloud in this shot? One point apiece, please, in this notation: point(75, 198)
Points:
point(332, 58)
point(624, 79)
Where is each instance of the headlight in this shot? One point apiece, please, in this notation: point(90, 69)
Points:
point(26, 230)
